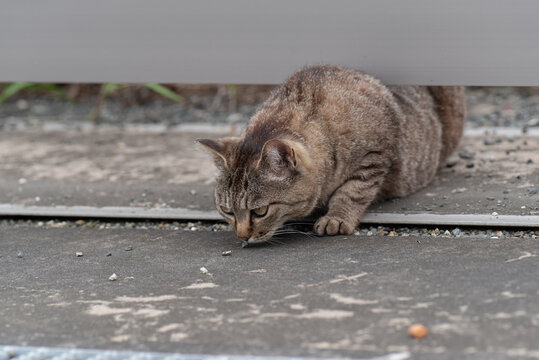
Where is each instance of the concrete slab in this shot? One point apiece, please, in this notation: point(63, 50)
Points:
point(146, 169)
point(332, 296)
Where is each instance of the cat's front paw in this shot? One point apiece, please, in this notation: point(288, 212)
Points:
point(332, 225)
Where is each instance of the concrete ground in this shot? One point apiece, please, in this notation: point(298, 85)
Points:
point(147, 169)
point(337, 296)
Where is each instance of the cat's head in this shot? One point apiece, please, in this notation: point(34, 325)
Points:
point(260, 188)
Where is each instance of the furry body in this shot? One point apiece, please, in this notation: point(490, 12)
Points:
point(334, 140)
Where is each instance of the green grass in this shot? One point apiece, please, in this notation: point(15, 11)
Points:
point(14, 88)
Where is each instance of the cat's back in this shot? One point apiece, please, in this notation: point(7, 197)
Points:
point(430, 121)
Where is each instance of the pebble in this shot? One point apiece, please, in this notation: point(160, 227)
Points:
point(418, 331)
point(466, 154)
point(11, 354)
point(113, 277)
point(78, 254)
point(203, 270)
point(490, 141)
point(129, 248)
point(20, 255)
point(22, 181)
point(494, 213)
point(455, 232)
point(244, 244)
point(532, 191)
point(22, 104)
point(235, 118)
point(226, 253)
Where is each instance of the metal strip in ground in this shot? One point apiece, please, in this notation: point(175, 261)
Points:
point(28, 353)
point(124, 212)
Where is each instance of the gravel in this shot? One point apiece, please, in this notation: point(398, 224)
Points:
point(516, 107)
point(442, 232)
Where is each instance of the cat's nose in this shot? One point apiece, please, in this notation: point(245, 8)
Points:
point(243, 232)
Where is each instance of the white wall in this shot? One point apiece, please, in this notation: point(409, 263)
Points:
point(467, 42)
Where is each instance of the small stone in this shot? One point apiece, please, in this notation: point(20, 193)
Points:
point(392, 233)
point(244, 244)
point(447, 232)
point(109, 254)
point(78, 254)
point(226, 253)
point(22, 104)
point(494, 213)
point(204, 270)
point(530, 161)
point(235, 118)
point(22, 181)
point(113, 277)
point(490, 198)
point(80, 222)
point(489, 141)
point(20, 255)
point(450, 164)
point(468, 175)
point(418, 331)
point(369, 233)
point(455, 232)
point(37, 198)
point(129, 248)
point(532, 191)
point(466, 154)
point(470, 165)
point(11, 354)
point(193, 192)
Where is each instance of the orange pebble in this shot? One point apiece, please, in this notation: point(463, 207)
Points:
point(418, 331)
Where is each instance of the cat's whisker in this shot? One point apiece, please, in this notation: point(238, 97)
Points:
point(274, 241)
point(286, 232)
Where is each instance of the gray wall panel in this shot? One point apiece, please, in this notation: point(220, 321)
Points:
point(474, 42)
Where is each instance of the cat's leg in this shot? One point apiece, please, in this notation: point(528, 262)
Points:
point(351, 199)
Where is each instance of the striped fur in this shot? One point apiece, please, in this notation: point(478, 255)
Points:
point(333, 140)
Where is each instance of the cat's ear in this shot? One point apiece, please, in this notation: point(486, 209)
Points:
point(221, 149)
point(278, 157)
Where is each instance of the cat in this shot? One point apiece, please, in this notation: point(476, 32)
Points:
point(335, 140)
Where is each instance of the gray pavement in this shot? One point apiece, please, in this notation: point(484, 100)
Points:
point(145, 169)
point(338, 296)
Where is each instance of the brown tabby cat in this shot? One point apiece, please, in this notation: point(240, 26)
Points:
point(336, 140)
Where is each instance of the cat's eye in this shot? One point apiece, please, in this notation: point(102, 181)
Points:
point(227, 210)
point(261, 211)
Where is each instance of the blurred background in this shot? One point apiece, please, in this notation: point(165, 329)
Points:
point(38, 105)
